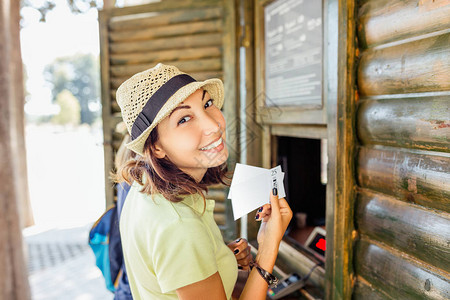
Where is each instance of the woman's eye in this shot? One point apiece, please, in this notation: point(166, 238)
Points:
point(209, 103)
point(183, 120)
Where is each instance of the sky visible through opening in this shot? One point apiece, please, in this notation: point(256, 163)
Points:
point(65, 164)
point(63, 34)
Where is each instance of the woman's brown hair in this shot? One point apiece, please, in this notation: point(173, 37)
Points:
point(162, 176)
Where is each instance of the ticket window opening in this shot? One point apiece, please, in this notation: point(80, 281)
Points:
point(305, 164)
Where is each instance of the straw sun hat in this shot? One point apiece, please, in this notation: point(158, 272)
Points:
point(149, 96)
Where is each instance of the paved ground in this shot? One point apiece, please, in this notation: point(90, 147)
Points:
point(66, 181)
point(62, 266)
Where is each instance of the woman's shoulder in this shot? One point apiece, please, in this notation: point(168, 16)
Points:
point(155, 208)
point(141, 205)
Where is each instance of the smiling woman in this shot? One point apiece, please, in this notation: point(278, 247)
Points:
point(186, 120)
point(192, 136)
point(173, 248)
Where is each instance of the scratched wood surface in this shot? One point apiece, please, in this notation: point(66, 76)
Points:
point(414, 177)
point(399, 275)
point(168, 55)
point(419, 123)
point(151, 18)
point(189, 66)
point(166, 31)
point(418, 66)
point(402, 205)
point(421, 233)
point(384, 21)
point(363, 290)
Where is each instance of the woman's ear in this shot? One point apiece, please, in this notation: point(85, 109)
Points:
point(158, 150)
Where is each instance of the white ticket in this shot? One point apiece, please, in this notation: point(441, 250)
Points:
point(251, 188)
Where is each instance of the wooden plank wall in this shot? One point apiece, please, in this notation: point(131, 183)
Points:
point(402, 208)
point(187, 34)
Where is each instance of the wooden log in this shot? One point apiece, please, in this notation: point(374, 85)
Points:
point(220, 207)
point(217, 195)
point(115, 108)
point(163, 6)
point(398, 275)
point(188, 66)
point(167, 55)
point(422, 179)
point(198, 40)
point(200, 76)
point(220, 219)
point(363, 290)
point(409, 228)
point(155, 18)
point(108, 122)
point(25, 209)
point(116, 82)
point(419, 66)
point(420, 123)
point(384, 21)
point(166, 31)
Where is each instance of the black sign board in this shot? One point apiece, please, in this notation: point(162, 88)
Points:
point(293, 53)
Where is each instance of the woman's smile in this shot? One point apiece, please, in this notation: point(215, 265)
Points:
point(216, 146)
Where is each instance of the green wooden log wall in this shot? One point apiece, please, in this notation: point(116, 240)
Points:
point(402, 207)
point(398, 275)
point(417, 123)
point(421, 178)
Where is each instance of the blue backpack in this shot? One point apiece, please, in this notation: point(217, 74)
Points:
point(104, 239)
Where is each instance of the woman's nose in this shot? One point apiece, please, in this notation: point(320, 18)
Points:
point(210, 125)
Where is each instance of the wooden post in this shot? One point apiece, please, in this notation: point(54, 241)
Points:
point(17, 76)
point(13, 275)
point(340, 95)
point(109, 4)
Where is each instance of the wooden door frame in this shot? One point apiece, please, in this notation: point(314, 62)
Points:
point(340, 92)
point(340, 96)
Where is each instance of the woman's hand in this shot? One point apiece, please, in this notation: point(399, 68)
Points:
point(242, 252)
point(275, 220)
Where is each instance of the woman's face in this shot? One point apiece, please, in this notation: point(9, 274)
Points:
point(193, 135)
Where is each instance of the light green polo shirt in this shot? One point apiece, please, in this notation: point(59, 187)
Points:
point(169, 245)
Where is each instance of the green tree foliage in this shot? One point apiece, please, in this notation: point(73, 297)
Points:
point(69, 113)
point(78, 74)
point(76, 6)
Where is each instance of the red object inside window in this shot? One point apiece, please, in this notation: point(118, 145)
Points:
point(321, 244)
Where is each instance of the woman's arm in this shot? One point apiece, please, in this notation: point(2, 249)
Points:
point(207, 289)
point(274, 223)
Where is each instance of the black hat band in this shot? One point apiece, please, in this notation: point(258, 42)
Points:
point(156, 102)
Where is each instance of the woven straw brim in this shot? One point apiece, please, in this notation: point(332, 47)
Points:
point(214, 87)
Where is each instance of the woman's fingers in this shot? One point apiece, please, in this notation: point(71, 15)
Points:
point(240, 248)
point(285, 212)
point(274, 201)
point(244, 263)
point(243, 254)
point(263, 212)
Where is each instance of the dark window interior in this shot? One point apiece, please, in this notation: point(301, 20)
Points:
point(304, 162)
